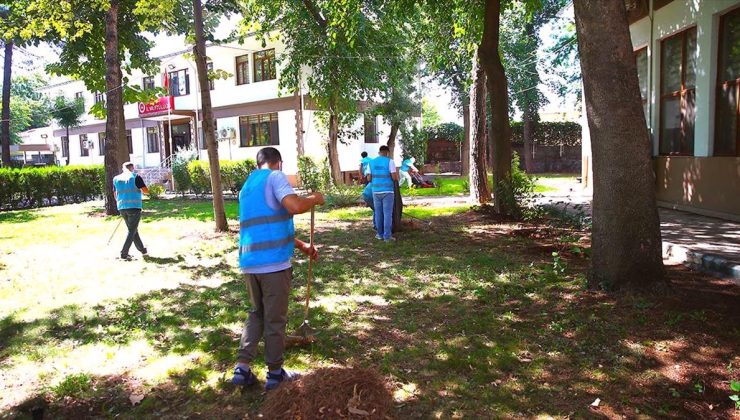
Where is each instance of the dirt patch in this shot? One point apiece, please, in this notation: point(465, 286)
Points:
point(331, 393)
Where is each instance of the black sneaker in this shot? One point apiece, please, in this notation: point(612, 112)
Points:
point(126, 257)
point(144, 252)
point(273, 380)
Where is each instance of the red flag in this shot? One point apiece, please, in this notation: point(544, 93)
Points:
point(166, 82)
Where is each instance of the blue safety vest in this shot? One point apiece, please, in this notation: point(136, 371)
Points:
point(266, 235)
point(128, 196)
point(367, 192)
point(365, 165)
point(406, 165)
point(381, 176)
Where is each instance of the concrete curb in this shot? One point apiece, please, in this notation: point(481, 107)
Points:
point(709, 263)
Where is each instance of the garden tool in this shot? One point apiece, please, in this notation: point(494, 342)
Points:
point(114, 231)
point(304, 334)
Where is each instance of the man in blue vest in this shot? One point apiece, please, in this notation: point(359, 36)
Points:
point(267, 204)
point(382, 175)
point(127, 190)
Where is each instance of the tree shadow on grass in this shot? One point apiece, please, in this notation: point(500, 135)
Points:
point(19, 216)
point(463, 325)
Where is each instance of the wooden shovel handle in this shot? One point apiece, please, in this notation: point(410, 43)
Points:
point(310, 269)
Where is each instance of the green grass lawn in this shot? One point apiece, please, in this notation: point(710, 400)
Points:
point(465, 317)
point(446, 186)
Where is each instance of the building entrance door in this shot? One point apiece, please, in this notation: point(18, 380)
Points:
point(181, 136)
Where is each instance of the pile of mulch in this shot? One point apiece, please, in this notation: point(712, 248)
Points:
point(354, 393)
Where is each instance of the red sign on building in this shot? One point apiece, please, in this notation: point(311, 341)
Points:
point(157, 107)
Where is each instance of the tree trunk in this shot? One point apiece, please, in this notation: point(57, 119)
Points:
point(529, 128)
point(336, 172)
point(116, 148)
point(626, 242)
point(392, 139)
point(479, 192)
point(498, 89)
point(5, 125)
point(465, 146)
point(219, 213)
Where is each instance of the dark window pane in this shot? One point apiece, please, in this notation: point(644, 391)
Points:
point(689, 120)
point(671, 65)
point(130, 141)
point(242, 70)
point(690, 59)
point(642, 68)
point(101, 144)
point(726, 140)
point(152, 139)
point(274, 132)
point(83, 145)
point(65, 146)
point(670, 115)
point(730, 44)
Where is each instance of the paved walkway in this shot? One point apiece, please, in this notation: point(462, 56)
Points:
point(701, 242)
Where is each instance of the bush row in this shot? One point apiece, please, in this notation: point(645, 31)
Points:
point(549, 133)
point(196, 175)
point(51, 185)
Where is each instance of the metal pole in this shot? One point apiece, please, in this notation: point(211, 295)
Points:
point(143, 143)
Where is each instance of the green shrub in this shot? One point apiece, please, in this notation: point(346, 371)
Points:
point(200, 176)
point(38, 187)
point(180, 169)
point(414, 144)
point(344, 196)
point(314, 176)
point(235, 173)
point(549, 133)
point(156, 191)
point(517, 196)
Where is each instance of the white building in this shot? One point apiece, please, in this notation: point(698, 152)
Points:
point(688, 63)
point(249, 108)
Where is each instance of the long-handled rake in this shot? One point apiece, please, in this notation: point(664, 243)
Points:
point(114, 231)
point(304, 334)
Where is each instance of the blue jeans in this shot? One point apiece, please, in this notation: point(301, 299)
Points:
point(383, 203)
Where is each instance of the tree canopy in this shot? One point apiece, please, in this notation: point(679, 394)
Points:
point(28, 108)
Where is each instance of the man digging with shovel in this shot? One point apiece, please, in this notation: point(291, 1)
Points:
point(267, 204)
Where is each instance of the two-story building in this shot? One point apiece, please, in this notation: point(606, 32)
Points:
point(249, 108)
point(688, 64)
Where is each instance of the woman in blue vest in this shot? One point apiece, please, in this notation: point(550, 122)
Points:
point(267, 204)
point(407, 166)
point(127, 189)
point(382, 175)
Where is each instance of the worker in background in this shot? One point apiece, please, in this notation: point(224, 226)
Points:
point(407, 167)
point(382, 175)
point(364, 168)
point(128, 187)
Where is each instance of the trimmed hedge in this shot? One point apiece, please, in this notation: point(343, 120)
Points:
point(51, 185)
point(549, 133)
point(233, 175)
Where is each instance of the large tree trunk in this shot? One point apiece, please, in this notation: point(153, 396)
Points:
point(626, 243)
point(5, 125)
point(529, 129)
point(479, 192)
point(219, 213)
point(336, 172)
point(498, 89)
point(392, 139)
point(116, 148)
point(465, 146)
